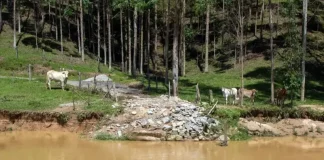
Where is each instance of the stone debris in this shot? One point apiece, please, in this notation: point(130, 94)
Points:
point(178, 119)
point(99, 78)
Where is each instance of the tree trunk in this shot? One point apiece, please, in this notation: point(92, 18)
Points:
point(142, 45)
point(122, 40)
point(129, 41)
point(262, 17)
point(109, 35)
point(98, 29)
point(256, 23)
point(81, 29)
point(61, 29)
point(104, 31)
point(19, 17)
point(166, 49)
point(241, 51)
point(135, 42)
point(175, 63)
point(278, 11)
point(207, 38)
point(271, 51)
point(0, 16)
point(36, 25)
point(79, 43)
point(56, 30)
point(155, 36)
point(183, 40)
point(249, 21)
point(223, 25)
point(148, 47)
point(14, 26)
point(305, 3)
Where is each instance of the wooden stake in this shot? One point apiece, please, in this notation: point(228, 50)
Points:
point(169, 90)
point(198, 99)
point(211, 98)
point(29, 72)
point(79, 80)
point(156, 84)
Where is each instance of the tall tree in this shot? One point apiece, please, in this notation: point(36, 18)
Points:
point(305, 4)
point(262, 17)
point(148, 48)
point(78, 30)
point(18, 16)
point(271, 51)
point(135, 41)
point(0, 16)
point(122, 40)
point(142, 44)
point(56, 24)
point(104, 31)
point(207, 37)
point(183, 40)
point(155, 35)
point(14, 25)
point(61, 29)
point(36, 23)
point(175, 67)
point(129, 40)
point(98, 29)
point(81, 29)
point(109, 12)
point(240, 15)
point(166, 47)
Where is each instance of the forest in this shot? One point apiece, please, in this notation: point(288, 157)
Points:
point(166, 38)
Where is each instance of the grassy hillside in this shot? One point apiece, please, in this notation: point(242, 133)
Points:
point(221, 73)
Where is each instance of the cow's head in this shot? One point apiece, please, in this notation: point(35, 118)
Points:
point(65, 73)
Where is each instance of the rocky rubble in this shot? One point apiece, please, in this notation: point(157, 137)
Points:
point(163, 119)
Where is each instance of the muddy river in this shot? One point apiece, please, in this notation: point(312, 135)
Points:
point(67, 146)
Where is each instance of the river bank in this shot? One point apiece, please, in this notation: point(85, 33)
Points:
point(169, 119)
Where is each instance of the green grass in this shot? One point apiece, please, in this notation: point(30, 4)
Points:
point(256, 76)
point(33, 96)
point(29, 54)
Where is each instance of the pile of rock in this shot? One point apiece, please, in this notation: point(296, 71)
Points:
point(173, 118)
point(99, 78)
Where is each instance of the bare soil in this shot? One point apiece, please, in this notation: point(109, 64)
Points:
point(45, 121)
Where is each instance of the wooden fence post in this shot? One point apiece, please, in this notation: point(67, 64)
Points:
point(29, 72)
point(211, 98)
point(43, 55)
point(80, 80)
point(198, 99)
point(156, 84)
point(169, 90)
point(95, 82)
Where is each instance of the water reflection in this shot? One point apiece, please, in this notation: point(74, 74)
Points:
point(67, 146)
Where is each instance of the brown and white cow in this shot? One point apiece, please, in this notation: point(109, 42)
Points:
point(248, 93)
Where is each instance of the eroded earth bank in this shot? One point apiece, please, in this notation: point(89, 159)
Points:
point(155, 119)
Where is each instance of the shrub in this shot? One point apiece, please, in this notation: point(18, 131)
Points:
point(62, 118)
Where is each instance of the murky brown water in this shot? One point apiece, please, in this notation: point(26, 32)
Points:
point(67, 146)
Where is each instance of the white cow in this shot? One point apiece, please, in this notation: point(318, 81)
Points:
point(230, 92)
point(56, 76)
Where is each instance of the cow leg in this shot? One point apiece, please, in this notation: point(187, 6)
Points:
point(62, 84)
point(226, 100)
point(49, 84)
